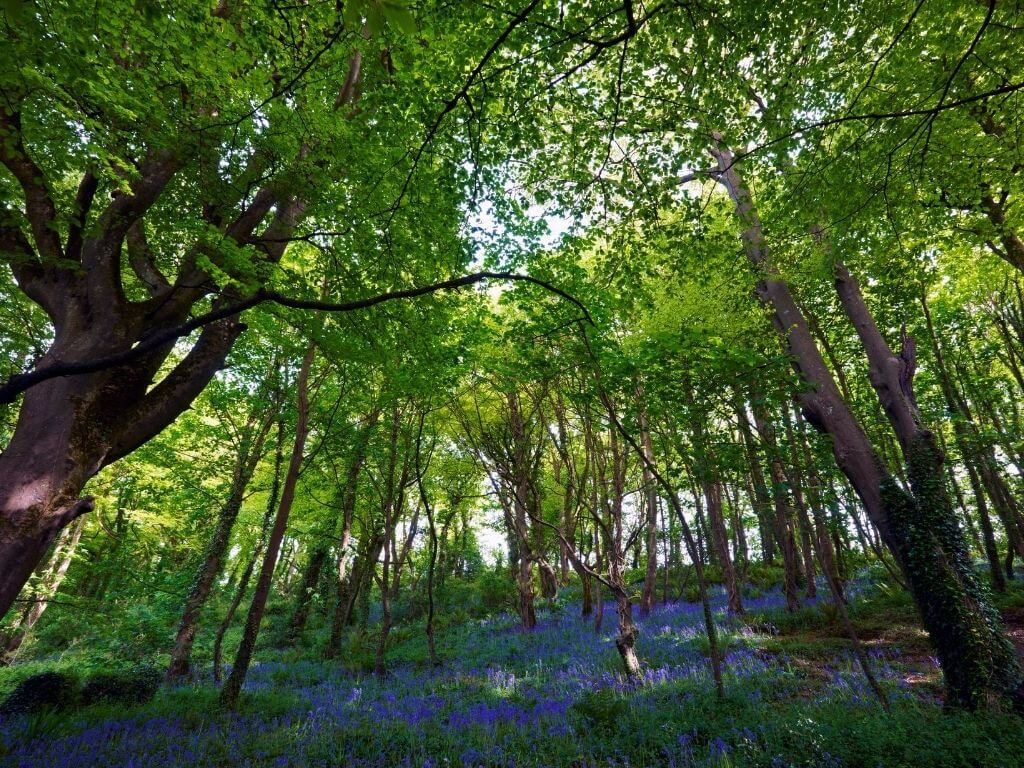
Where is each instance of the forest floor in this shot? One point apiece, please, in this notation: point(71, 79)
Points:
point(556, 697)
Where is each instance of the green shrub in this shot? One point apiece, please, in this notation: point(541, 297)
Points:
point(603, 708)
point(497, 590)
point(45, 691)
point(136, 685)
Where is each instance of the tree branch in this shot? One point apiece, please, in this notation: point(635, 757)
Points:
point(83, 202)
point(39, 206)
point(23, 381)
point(140, 256)
point(182, 385)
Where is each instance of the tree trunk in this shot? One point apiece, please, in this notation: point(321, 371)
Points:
point(739, 533)
point(625, 641)
point(988, 535)
point(310, 580)
point(435, 660)
point(348, 507)
point(961, 418)
point(713, 497)
point(919, 527)
point(520, 503)
point(673, 499)
point(49, 584)
point(782, 523)
point(821, 536)
point(233, 686)
point(393, 500)
point(651, 520)
point(760, 499)
point(249, 453)
point(243, 583)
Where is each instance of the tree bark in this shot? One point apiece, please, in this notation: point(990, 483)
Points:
point(760, 499)
point(803, 519)
point(348, 508)
point(250, 566)
point(783, 521)
point(391, 503)
point(961, 418)
point(70, 427)
point(521, 502)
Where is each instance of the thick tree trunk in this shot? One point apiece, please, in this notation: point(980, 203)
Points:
point(976, 655)
point(70, 427)
point(233, 686)
point(919, 527)
point(42, 471)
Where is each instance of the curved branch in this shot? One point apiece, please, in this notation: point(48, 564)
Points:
point(926, 112)
point(39, 206)
point(24, 381)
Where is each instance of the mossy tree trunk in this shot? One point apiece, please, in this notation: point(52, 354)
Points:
point(918, 525)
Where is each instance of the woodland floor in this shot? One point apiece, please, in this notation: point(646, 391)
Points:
point(555, 697)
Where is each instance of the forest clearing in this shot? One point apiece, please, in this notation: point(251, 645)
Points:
point(579, 383)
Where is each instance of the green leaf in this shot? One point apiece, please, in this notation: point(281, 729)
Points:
point(400, 17)
point(375, 20)
point(352, 14)
point(12, 9)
